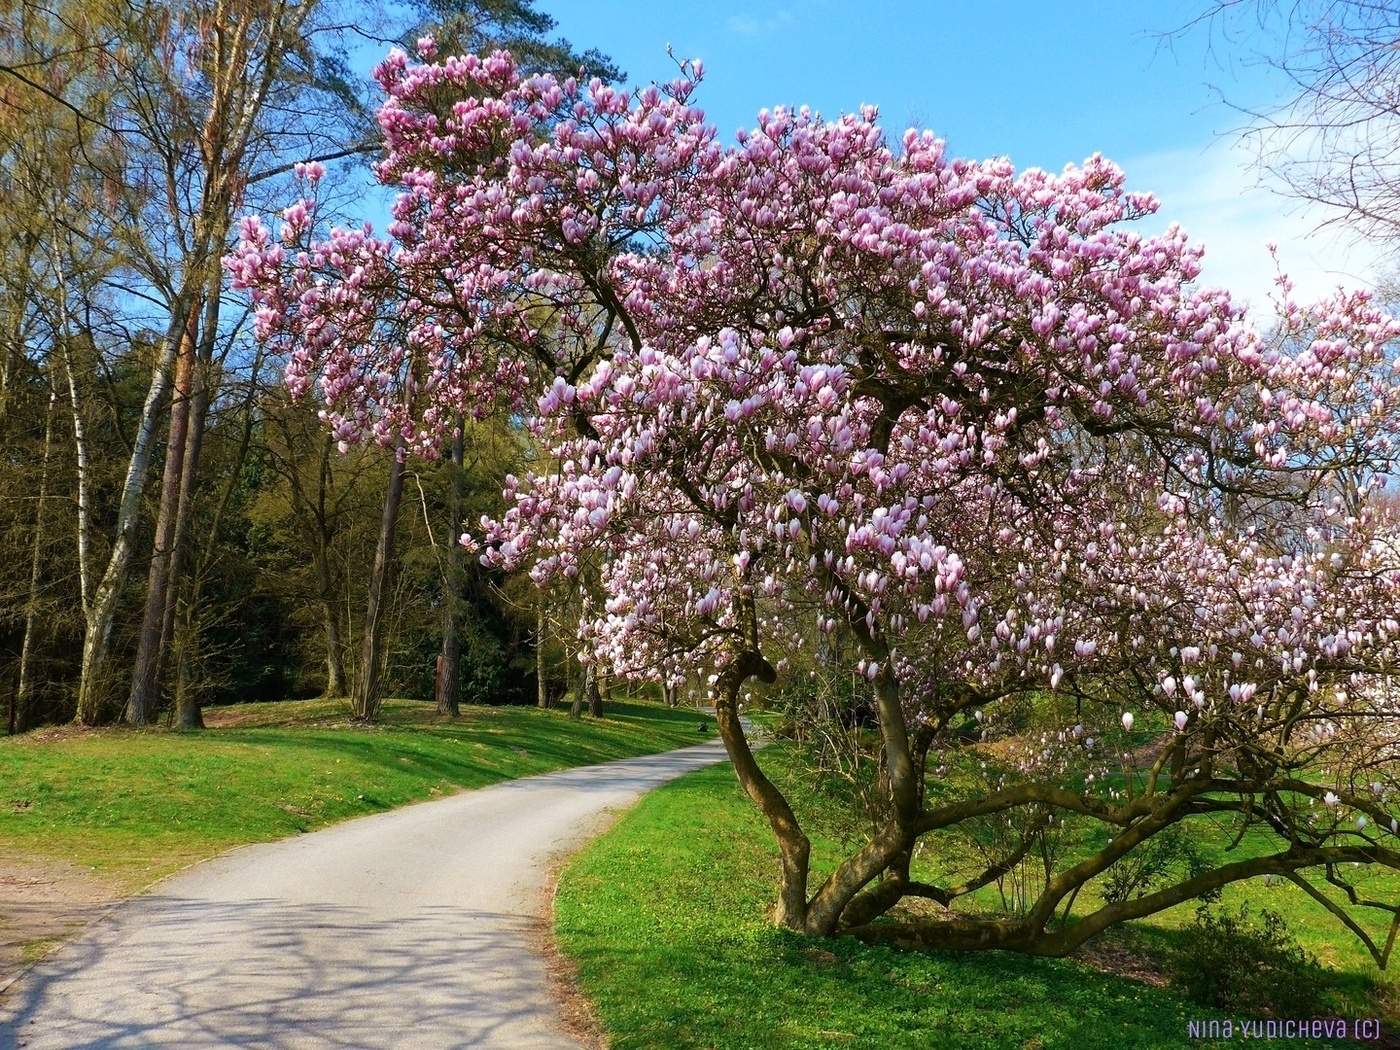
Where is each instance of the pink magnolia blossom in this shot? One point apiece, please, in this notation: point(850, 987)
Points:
point(819, 383)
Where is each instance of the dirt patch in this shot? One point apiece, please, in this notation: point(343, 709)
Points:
point(1122, 960)
point(43, 902)
point(577, 1017)
point(277, 714)
point(53, 734)
point(576, 1014)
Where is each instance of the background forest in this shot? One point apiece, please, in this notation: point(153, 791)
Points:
point(174, 529)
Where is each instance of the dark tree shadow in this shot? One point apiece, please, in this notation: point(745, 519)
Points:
point(266, 973)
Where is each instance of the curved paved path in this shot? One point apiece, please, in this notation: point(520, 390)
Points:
point(411, 928)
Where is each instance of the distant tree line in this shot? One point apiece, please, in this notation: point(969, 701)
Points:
point(175, 530)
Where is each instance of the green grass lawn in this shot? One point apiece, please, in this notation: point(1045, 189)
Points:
point(137, 804)
point(664, 918)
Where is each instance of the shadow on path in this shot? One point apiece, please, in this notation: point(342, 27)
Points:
point(412, 928)
point(269, 974)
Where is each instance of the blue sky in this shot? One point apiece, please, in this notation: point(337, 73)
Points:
point(1044, 82)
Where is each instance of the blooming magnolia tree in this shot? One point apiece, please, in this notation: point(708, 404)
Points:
point(967, 421)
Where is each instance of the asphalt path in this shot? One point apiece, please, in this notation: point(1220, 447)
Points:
point(419, 927)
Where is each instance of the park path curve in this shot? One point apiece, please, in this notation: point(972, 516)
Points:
point(412, 928)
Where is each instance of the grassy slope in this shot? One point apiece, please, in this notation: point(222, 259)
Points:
point(664, 917)
point(136, 805)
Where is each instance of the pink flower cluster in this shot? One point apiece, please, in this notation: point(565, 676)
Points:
point(818, 382)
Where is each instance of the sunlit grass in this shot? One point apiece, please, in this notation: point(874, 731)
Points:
point(665, 919)
point(138, 804)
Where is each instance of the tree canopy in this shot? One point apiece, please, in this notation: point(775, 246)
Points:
point(965, 428)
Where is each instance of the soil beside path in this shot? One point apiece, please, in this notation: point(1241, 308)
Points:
point(44, 901)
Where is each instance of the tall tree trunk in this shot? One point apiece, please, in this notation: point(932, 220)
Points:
point(187, 651)
point(19, 700)
point(243, 66)
point(541, 679)
point(335, 655)
point(144, 697)
point(448, 684)
point(188, 711)
point(12, 351)
point(325, 581)
point(189, 708)
point(595, 696)
point(101, 611)
point(335, 648)
point(582, 682)
point(368, 696)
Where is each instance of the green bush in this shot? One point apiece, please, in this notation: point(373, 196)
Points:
point(1245, 963)
point(1169, 855)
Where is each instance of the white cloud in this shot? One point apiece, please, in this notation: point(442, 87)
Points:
point(1217, 197)
point(759, 25)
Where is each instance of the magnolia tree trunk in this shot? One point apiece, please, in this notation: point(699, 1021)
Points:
point(793, 845)
point(336, 679)
point(876, 877)
point(447, 685)
point(368, 695)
